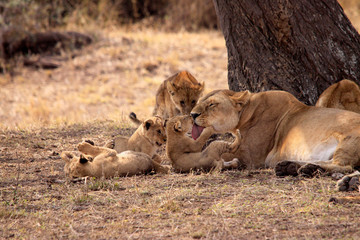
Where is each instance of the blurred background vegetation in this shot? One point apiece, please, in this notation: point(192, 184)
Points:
point(169, 15)
point(172, 15)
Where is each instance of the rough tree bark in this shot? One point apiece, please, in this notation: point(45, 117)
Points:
point(300, 46)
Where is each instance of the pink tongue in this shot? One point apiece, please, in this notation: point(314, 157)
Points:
point(196, 131)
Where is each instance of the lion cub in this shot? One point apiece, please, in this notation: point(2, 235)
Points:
point(148, 137)
point(185, 153)
point(343, 95)
point(177, 95)
point(105, 162)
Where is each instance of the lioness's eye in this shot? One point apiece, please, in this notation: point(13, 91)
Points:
point(182, 103)
point(159, 132)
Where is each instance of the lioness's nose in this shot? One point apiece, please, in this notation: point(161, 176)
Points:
point(194, 115)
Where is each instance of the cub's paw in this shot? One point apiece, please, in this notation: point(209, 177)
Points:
point(84, 147)
point(311, 170)
point(90, 142)
point(287, 168)
point(348, 183)
point(110, 144)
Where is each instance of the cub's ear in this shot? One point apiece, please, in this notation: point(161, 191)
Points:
point(240, 99)
point(83, 159)
point(148, 123)
point(66, 156)
point(171, 87)
point(177, 126)
point(201, 86)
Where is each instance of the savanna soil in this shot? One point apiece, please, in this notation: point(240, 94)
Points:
point(44, 112)
point(38, 202)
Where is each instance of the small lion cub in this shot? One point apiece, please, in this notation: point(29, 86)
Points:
point(185, 153)
point(148, 137)
point(177, 95)
point(104, 162)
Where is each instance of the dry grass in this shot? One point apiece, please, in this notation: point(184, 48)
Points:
point(44, 112)
point(118, 74)
point(37, 202)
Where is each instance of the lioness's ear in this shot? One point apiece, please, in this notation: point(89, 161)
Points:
point(171, 87)
point(66, 156)
point(148, 123)
point(177, 126)
point(240, 99)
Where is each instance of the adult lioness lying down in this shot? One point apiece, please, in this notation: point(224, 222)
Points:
point(280, 131)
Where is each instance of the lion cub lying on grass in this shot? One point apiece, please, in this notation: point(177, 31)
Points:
point(149, 136)
point(105, 162)
point(185, 153)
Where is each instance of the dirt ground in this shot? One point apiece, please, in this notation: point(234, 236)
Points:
point(44, 112)
point(38, 202)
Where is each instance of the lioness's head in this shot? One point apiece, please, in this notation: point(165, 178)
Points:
point(154, 130)
point(179, 124)
point(220, 109)
point(184, 91)
point(74, 165)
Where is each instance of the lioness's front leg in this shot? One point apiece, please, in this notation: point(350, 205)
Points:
point(94, 151)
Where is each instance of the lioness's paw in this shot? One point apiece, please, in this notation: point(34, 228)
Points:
point(348, 184)
point(310, 170)
point(287, 168)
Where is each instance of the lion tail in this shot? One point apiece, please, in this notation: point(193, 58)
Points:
point(134, 119)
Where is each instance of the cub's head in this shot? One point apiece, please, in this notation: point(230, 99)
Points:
point(220, 109)
point(154, 130)
point(184, 91)
point(179, 125)
point(75, 166)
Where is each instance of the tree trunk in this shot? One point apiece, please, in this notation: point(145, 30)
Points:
point(300, 46)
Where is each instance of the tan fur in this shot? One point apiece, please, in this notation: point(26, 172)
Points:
point(148, 137)
point(185, 153)
point(277, 127)
point(105, 162)
point(177, 95)
point(343, 95)
point(350, 199)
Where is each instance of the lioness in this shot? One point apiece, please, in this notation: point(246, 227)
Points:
point(105, 162)
point(185, 153)
point(276, 127)
point(177, 95)
point(343, 95)
point(148, 137)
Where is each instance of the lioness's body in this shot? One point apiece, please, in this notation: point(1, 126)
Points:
point(185, 153)
point(147, 138)
point(343, 95)
point(107, 163)
point(276, 127)
point(177, 95)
